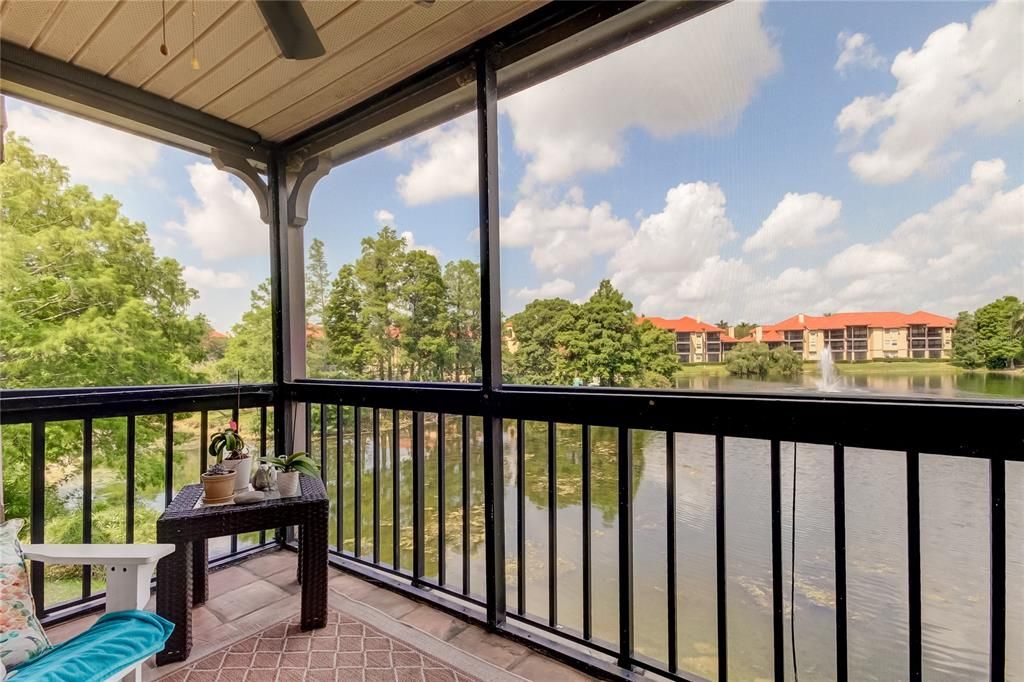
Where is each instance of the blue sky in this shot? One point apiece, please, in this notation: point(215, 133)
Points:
point(758, 161)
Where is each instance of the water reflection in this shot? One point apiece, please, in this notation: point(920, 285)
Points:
point(955, 537)
point(946, 384)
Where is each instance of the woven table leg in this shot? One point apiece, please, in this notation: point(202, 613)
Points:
point(174, 602)
point(200, 564)
point(313, 569)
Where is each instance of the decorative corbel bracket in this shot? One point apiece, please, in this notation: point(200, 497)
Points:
point(242, 168)
point(300, 187)
point(300, 178)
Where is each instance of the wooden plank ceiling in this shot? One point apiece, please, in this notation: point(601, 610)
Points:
point(242, 78)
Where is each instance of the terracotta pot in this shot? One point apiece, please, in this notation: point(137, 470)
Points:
point(242, 467)
point(288, 483)
point(218, 489)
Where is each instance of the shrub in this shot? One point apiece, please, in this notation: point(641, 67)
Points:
point(757, 360)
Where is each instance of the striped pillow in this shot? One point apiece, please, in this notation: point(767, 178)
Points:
point(21, 635)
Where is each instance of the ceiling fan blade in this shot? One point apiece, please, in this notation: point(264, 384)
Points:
point(292, 29)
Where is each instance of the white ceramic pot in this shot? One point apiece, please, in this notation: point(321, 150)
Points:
point(243, 467)
point(288, 483)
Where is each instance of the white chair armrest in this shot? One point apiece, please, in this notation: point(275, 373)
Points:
point(122, 555)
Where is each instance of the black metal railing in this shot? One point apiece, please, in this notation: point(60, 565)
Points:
point(985, 430)
point(388, 434)
point(91, 413)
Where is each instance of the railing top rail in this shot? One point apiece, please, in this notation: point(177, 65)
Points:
point(973, 428)
point(54, 404)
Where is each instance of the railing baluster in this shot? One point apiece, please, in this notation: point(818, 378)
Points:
point(204, 433)
point(263, 453)
point(308, 446)
point(521, 515)
point(357, 492)
point(670, 548)
point(418, 554)
point(839, 510)
point(721, 594)
point(440, 499)
point(38, 511)
point(235, 417)
point(587, 583)
point(376, 485)
point(625, 467)
point(552, 525)
point(396, 512)
point(997, 568)
point(778, 638)
point(86, 501)
point(129, 499)
point(168, 458)
point(465, 504)
point(914, 561)
point(323, 444)
point(339, 475)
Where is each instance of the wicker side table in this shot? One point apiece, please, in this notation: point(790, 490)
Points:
point(181, 576)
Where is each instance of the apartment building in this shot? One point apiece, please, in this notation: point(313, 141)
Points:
point(696, 341)
point(861, 336)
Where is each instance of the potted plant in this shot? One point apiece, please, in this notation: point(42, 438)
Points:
point(229, 442)
point(218, 484)
point(289, 469)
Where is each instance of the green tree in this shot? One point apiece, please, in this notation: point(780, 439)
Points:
point(84, 300)
point(997, 342)
point(966, 351)
point(318, 282)
point(658, 356)
point(345, 338)
point(744, 329)
point(462, 299)
point(249, 353)
point(377, 271)
point(425, 348)
point(602, 341)
point(757, 360)
point(535, 356)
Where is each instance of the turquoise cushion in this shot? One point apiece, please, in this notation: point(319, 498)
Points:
point(114, 642)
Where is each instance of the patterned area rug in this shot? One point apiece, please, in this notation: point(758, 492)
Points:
point(345, 650)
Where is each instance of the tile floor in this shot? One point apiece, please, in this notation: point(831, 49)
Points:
point(248, 597)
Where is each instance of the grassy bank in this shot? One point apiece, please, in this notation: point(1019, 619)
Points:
point(689, 370)
point(908, 367)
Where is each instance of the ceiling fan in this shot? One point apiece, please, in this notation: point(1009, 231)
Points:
point(291, 28)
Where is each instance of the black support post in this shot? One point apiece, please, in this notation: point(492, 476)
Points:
point(490, 337)
point(37, 504)
point(276, 188)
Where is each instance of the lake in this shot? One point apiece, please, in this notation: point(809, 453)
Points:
point(955, 535)
point(942, 383)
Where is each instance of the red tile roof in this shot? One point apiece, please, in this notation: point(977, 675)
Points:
point(683, 324)
point(878, 319)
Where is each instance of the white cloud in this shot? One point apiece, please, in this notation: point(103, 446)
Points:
point(959, 253)
point(698, 76)
point(226, 222)
point(92, 152)
point(856, 49)
point(205, 278)
point(797, 222)
point(384, 217)
point(691, 229)
point(556, 288)
point(962, 78)
point(565, 233)
point(445, 165)
point(411, 245)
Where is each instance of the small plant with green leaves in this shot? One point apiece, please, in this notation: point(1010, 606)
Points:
point(228, 442)
point(297, 461)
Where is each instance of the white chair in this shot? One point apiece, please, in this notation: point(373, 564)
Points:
point(129, 570)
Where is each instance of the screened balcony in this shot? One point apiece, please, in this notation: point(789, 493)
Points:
point(536, 528)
